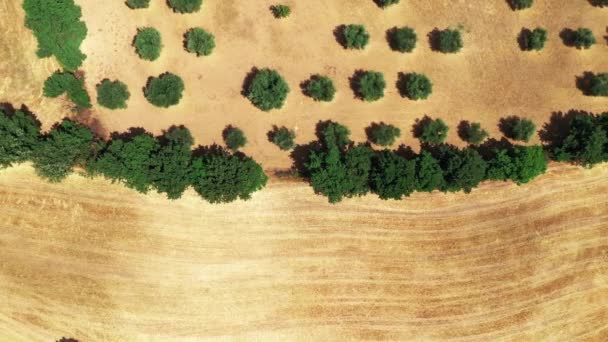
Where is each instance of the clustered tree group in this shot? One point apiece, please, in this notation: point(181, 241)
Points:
point(60, 83)
point(135, 158)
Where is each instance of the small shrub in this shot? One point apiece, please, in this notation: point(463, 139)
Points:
point(472, 132)
point(415, 86)
point(355, 37)
point(402, 39)
point(200, 42)
point(598, 85)
point(383, 134)
point(185, 6)
point(320, 88)
point(370, 85)
point(521, 4)
point(134, 4)
point(281, 11)
point(431, 131)
point(283, 137)
point(517, 128)
point(165, 90)
point(533, 40)
point(66, 82)
point(386, 3)
point(148, 43)
point(267, 90)
point(583, 38)
point(449, 41)
point(112, 94)
point(234, 138)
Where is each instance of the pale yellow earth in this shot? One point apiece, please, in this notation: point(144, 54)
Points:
point(95, 261)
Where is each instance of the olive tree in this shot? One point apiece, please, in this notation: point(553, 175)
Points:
point(165, 90)
point(267, 89)
point(199, 41)
point(415, 86)
point(112, 94)
point(369, 85)
point(148, 44)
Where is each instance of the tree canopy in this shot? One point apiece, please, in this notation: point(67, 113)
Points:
point(370, 85)
point(355, 36)
point(415, 86)
point(320, 88)
point(199, 41)
point(19, 137)
point(267, 90)
point(112, 94)
point(148, 43)
point(165, 90)
point(60, 83)
point(402, 39)
point(185, 6)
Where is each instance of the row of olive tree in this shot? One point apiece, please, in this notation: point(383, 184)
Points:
point(135, 158)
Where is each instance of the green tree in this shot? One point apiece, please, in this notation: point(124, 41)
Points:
point(583, 38)
point(165, 90)
point(134, 4)
point(19, 136)
point(283, 138)
point(199, 41)
point(66, 82)
point(281, 11)
point(500, 165)
point(234, 138)
point(57, 26)
point(219, 177)
point(370, 85)
point(529, 162)
point(383, 134)
point(473, 133)
point(533, 40)
point(431, 131)
point(66, 145)
point(462, 169)
point(267, 90)
point(429, 175)
point(392, 176)
point(185, 6)
point(148, 43)
point(517, 128)
point(585, 142)
point(598, 85)
point(355, 36)
point(402, 39)
point(415, 86)
point(112, 94)
point(386, 3)
point(320, 88)
point(449, 41)
point(521, 4)
point(172, 170)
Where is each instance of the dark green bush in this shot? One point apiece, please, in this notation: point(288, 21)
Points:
point(386, 3)
point(112, 94)
point(472, 132)
point(58, 29)
point(599, 3)
point(66, 82)
point(533, 40)
point(148, 44)
point(431, 131)
point(402, 39)
point(267, 90)
point(392, 176)
point(320, 88)
point(449, 41)
point(199, 41)
point(521, 4)
point(355, 37)
point(370, 85)
point(462, 169)
point(598, 85)
point(383, 134)
point(165, 90)
point(234, 138)
point(517, 128)
point(172, 172)
point(520, 164)
point(415, 86)
point(583, 38)
point(429, 175)
point(19, 136)
point(134, 4)
point(185, 6)
point(586, 141)
point(281, 11)
point(66, 145)
point(283, 138)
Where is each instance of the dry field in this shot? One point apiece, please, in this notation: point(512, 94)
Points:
point(99, 262)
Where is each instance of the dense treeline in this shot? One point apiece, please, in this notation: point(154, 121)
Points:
point(136, 158)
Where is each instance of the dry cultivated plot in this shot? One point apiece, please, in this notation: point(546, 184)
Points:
point(97, 261)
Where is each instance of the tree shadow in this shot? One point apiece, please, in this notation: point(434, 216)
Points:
point(67, 339)
point(339, 35)
point(419, 125)
point(304, 84)
point(227, 130)
point(567, 36)
point(390, 40)
point(354, 81)
point(369, 131)
point(248, 80)
point(556, 129)
point(401, 84)
point(209, 150)
point(463, 128)
point(434, 37)
point(583, 82)
point(10, 110)
point(522, 39)
point(129, 134)
point(406, 152)
point(487, 148)
point(506, 125)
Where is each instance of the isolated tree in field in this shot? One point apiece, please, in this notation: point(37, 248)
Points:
point(172, 170)
point(185, 6)
point(392, 176)
point(112, 94)
point(521, 4)
point(386, 3)
point(370, 85)
point(586, 142)
point(598, 85)
point(462, 169)
point(283, 137)
point(402, 39)
point(165, 90)
point(280, 11)
point(431, 131)
point(134, 4)
point(449, 41)
point(583, 38)
point(234, 138)
point(472, 132)
point(199, 41)
point(533, 40)
point(58, 29)
point(429, 175)
point(383, 134)
point(19, 136)
point(267, 90)
point(148, 44)
point(66, 82)
point(517, 128)
point(66, 145)
point(355, 36)
point(220, 177)
point(415, 86)
point(320, 88)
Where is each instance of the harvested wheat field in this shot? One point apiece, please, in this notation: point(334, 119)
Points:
point(98, 262)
